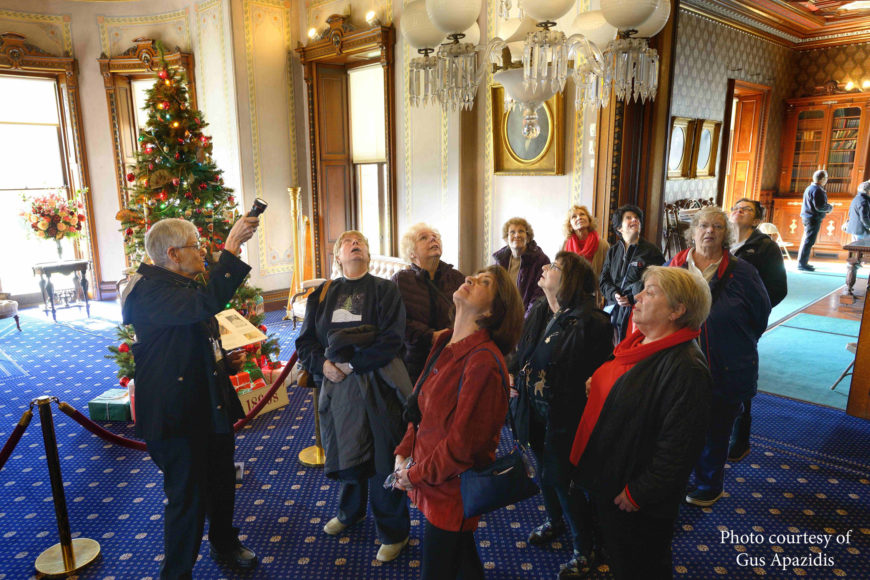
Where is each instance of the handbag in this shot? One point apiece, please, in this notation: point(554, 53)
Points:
point(505, 481)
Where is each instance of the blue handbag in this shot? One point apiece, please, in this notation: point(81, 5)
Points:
point(507, 480)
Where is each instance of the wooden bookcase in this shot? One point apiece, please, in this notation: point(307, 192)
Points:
point(828, 132)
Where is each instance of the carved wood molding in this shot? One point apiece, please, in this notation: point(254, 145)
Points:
point(17, 54)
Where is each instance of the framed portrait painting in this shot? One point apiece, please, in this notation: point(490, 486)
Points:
point(516, 154)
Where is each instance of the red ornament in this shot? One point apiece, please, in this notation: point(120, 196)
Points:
point(163, 74)
point(231, 199)
point(177, 156)
point(203, 186)
point(188, 195)
point(204, 140)
point(199, 229)
point(150, 167)
point(124, 381)
point(129, 232)
point(175, 181)
point(130, 177)
point(162, 196)
point(262, 328)
point(165, 104)
point(199, 211)
point(124, 347)
point(180, 141)
point(198, 121)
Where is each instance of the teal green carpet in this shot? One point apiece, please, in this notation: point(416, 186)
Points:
point(804, 288)
point(803, 357)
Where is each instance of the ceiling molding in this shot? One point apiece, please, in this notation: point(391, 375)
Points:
point(786, 23)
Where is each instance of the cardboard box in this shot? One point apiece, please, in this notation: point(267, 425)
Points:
point(250, 399)
point(113, 405)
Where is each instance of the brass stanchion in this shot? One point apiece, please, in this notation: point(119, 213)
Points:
point(69, 555)
point(314, 456)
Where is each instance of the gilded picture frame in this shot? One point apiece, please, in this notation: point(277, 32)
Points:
point(706, 148)
point(513, 154)
point(682, 138)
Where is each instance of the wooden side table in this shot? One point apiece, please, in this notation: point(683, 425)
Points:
point(78, 269)
point(856, 250)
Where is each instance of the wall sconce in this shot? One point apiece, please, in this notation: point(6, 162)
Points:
point(372, 18)
point(850, 85)
point(866, 84)
point(312, 33)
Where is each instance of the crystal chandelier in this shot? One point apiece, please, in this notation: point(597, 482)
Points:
point(632, 68)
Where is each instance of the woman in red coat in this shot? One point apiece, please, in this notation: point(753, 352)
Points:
point(452, 431)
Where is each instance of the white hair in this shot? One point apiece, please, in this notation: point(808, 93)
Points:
point(165, 234)
point(820, 175)
point(864, 187)
point(409, 240)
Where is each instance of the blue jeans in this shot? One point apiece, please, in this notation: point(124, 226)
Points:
point(710, 469)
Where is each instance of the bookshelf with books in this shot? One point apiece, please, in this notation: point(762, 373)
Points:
point(826, 132)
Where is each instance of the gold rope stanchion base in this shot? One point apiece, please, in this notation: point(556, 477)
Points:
point(50, 562)
point(313, 456)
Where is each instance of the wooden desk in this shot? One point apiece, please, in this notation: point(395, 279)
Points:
point(78, 269)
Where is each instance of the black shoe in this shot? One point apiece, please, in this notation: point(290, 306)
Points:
point(577, 567)
point(240, 556)
point(806, 268)
point(737, 452)
point(546, 532)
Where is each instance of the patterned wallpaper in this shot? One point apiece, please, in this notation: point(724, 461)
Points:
point(707, 55)
point(843, 64)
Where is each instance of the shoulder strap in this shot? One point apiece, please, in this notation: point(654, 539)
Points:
point(323, 289)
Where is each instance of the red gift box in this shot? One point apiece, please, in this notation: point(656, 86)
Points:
point(240, 380)
point(258, 384)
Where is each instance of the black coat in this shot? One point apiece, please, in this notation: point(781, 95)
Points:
point(584, 341)
point(651, 431)
point(623, 273)
point(859, 216)
point(532, 264)
point(180, 389)
point(763, 253)
point(428, 307)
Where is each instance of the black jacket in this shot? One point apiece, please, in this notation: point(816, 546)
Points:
point(586, 341)
point(532, 264)
point(815, 204)
point(651, 431)
point(180, 389)
point(428, 307)
point(623, 272)
point(859, 216)
point(763, 253)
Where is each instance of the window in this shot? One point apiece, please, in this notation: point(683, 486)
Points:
point(32, 150)
point(368, 142)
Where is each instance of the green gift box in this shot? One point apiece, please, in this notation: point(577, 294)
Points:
point(113, 405)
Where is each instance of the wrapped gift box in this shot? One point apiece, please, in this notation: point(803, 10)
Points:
point(250, 399)
point(258, 384)
point(113, 405)
point(240, 380)
point(272, 374)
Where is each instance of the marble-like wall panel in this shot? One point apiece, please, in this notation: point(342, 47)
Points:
point(709, 53)
point(215, 87)
point(267, 114)
point(171, 28)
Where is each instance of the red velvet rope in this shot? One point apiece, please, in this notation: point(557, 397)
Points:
point(15, 437)
point(85, 422)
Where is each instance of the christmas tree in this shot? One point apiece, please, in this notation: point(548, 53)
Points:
point(176, 177)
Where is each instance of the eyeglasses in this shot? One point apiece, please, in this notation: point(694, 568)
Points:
point(196, 246)
point(743, 209)
point(552, 266)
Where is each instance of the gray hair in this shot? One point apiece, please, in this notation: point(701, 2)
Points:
point(709, 212)
point(165, 234)
point(683, 287)
point(820, 175)
point(864, 187)
point(409, 240)
point(337, 247)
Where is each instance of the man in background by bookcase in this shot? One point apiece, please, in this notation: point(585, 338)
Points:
point(813, 210)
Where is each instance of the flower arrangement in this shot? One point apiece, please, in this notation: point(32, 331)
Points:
point(54, 217)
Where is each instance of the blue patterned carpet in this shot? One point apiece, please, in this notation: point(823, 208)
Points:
point(808, 472)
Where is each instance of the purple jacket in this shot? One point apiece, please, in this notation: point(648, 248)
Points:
point(531, 266)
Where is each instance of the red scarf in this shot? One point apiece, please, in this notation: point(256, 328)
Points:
point(585, 247)
point(627, 353)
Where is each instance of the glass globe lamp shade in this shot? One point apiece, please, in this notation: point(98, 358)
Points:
point(627, 14)
point(416, 27)
point(453, 16)
point(547, 10)
point(594, 27)
point(472, 34)
point(514, 29)
point(528, 98)
point(656, 22)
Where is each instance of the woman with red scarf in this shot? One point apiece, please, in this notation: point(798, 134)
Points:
point(581, 237)
point(643, 427)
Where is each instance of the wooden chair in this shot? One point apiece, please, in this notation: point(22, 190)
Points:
point(9, 309)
